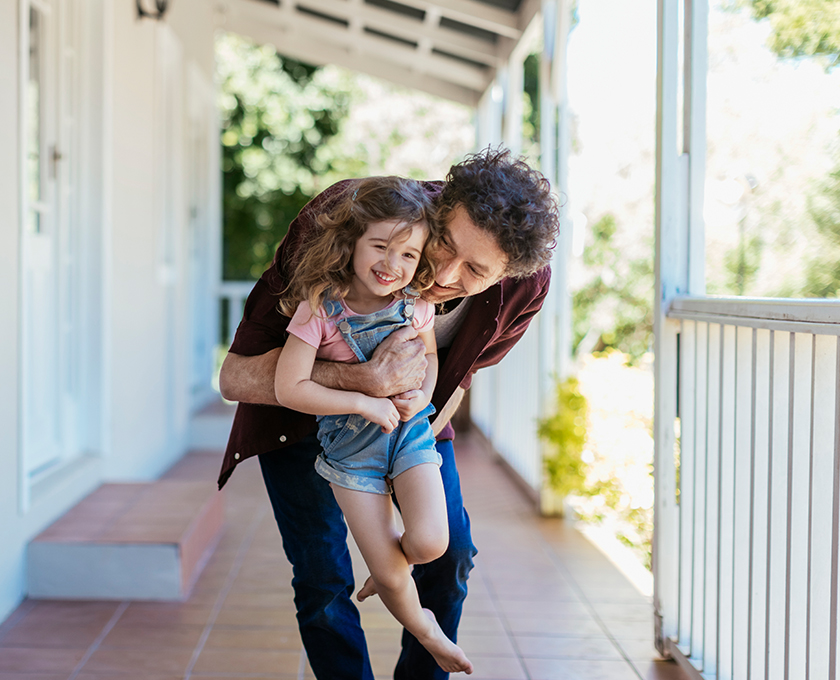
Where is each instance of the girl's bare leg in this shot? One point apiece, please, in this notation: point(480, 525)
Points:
point(423, 508)
point(370, 518)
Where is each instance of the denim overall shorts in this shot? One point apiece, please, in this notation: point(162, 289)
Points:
point(356, 453)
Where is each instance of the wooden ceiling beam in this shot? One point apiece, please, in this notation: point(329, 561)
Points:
point(321, 53)
point(446, 39)
point(322, 32)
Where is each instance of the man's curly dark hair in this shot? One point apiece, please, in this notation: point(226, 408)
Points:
point(507, 198)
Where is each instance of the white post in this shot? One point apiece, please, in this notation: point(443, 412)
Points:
point(680, 256)
point(514, 83)
point(488, 127)
point(666, 524)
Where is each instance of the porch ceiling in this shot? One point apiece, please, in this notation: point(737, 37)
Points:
point(448, 48)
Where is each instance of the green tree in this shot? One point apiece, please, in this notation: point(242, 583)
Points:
point(614, 309)
point(802, 28)
point(822, 277)
point(811, 28)
point(279, 121)
point(743, 261)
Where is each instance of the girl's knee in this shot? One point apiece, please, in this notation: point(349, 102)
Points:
point(430, 549)
point(426, 546)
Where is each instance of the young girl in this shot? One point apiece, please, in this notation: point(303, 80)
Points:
point(359, 282)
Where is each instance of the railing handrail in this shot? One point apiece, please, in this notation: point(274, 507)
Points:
point(819, 316)
point(235, 288)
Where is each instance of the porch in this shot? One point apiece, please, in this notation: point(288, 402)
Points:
point(544, 603)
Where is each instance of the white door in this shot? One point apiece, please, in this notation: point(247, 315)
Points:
point(50, 244)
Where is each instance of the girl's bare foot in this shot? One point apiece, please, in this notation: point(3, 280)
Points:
point(368, 589)
point(449, 656)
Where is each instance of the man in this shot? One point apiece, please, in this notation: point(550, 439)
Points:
point(499, 223)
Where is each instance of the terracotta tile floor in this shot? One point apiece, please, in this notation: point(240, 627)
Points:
point(544, 604)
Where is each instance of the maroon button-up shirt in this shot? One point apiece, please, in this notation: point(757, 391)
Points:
point(494, 323)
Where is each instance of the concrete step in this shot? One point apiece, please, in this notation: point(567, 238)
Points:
point(146, 541)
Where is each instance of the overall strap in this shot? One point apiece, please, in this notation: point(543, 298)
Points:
point(335, 311)
point(409, 298)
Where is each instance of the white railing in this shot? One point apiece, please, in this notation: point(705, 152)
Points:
point(748, 506)
point(234, 294)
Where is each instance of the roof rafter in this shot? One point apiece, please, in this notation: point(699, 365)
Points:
point(451, 48)
point(323, 53)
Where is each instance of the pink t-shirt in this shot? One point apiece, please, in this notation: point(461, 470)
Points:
point(320, 332)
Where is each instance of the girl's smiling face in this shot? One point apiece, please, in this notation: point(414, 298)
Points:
point(385, 259)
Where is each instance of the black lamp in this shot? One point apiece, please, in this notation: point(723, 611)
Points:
point(159, 9)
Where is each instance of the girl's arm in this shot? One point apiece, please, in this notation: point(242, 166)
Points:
point(295, 389)
point(397, 365)
point(412, 402)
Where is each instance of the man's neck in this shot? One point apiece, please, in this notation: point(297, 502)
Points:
point(449, 305)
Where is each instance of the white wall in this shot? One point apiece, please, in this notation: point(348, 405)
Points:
point(137, 218)
point(147, 334)
point(11, 567)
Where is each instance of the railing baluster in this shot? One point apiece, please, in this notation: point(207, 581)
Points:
point(777, 533)
point(687, 478)
point(835, 523)
point(741, 539)
point(727, 504)
point(800, 443)
point(822, 484)
point(760, 507)
point(714, 367)
point(698, 591)
point(770, 391)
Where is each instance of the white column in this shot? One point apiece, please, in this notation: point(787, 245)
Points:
point(514, 84)
point(680, 257)
point(488, 126)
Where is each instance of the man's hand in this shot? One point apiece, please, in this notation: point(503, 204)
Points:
point(398, 364)
point(410, 403)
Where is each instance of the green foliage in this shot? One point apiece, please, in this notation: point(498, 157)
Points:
point(279, 119)
point(802, 28)
point(743, 261)
point(565, 432)
point(531, 108)
point(635, 522)
point(822, 276)
point(614, 309)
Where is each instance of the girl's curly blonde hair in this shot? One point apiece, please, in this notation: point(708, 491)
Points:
point(325, 268)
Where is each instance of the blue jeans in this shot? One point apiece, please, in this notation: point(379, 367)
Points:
point(315, 542)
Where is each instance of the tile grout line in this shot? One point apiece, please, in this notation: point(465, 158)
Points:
point(563, 568)
point(505, 623)
point(223, 593)
point(100, 638)
point(18, 616)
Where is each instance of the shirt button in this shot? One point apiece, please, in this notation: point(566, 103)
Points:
point(282, 437)
point(236, 456)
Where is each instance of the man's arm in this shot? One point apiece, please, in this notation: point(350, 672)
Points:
point(398, 365)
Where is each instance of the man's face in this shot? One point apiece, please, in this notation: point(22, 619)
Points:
point(468, 260)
